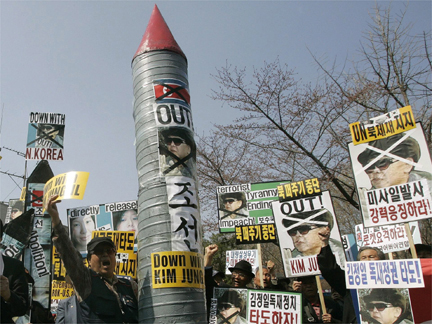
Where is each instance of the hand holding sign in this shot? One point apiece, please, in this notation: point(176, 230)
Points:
point(70, 185)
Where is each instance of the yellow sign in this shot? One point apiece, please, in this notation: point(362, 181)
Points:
point(70, 185)
point(23, 193)
point(262, 233)
point(177, 269)
point(298, 189)
point(394, 122)
point(61, 290)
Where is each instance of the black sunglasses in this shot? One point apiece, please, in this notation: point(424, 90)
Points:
point(303, 230)
point(381, 164)
point(225, 306)
point(379, 306)
point(177, 141)
point(229, 200)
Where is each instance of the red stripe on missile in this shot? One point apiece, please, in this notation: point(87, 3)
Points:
point(158, 36)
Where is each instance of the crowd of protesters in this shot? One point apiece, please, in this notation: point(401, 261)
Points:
point(101, 297)
point(385, 306)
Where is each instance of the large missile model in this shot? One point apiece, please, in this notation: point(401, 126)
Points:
point(170, 264)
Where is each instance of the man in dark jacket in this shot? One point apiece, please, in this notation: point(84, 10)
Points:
point(312, 309)
point(13, 287)
point(102, 297)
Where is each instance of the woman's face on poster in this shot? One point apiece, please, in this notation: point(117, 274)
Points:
point(82, 228)
point(128, 221)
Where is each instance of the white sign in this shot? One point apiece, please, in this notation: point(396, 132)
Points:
point(384, 274)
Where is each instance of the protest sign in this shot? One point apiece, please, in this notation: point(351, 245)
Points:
point(299, 189)
point(300, 225)
point(14, 210)
point(391, 238)
point(274, 307)
point(45, 136)
point(252, 234)
point(393, 178)
point(177, 269)
point(230, 306)
point(350, 248)
point(246, 204)
point(384, 274)
point(380, 305)
point(17, 234)
point(126, 258)
point(391, 123)
point(234, 256)
point(400, 203)
point(116, 216)
point(60, 289)
point(242, 306)
point(183, 207)
point(70, 185)
point(37, 257)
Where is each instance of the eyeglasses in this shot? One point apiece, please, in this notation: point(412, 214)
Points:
point(302, 230)
point(379, 306)
point(381, 164)
point(46, 127)
point(239, 274)
point(103, 250)
point(229, 201)
point(15, 210)
point(225, 306)
point(176, 140)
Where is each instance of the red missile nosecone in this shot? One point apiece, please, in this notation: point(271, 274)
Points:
point(158, 36)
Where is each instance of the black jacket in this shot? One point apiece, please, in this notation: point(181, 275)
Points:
point(335, 276)
point(18, 304)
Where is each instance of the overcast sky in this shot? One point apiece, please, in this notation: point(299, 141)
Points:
point(74, 58)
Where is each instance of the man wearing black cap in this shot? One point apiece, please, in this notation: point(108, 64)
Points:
point(242, 274)
point(102, 297)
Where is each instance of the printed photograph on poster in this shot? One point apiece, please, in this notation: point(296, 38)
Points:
point(385, 306)
point(232, 205)
point(125, 220)
point(303, 226)
point(45, 136)
point(117, 216)
point(231, 305)
point(80, 230)
point(246, 204)
point(396, 160)
point(177, 151)
point(14, 210)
